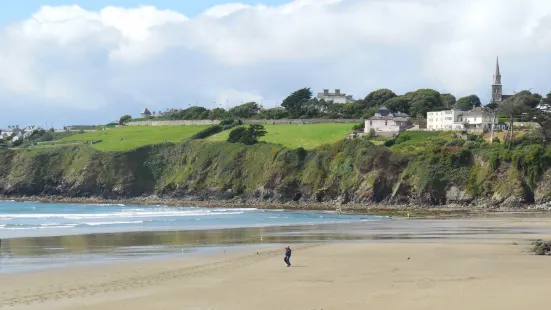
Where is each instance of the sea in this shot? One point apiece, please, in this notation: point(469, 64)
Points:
point(43, 235)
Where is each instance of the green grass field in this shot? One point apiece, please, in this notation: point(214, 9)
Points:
point(134, 136)
point(293, 136)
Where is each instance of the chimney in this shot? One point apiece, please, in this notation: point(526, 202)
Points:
point(326, 92)
point(337, 92)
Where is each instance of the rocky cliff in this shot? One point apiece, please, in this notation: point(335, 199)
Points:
point(351, 171)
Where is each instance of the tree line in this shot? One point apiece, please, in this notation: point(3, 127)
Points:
point(301, 104)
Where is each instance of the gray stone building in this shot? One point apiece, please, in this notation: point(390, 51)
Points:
point(497, 89)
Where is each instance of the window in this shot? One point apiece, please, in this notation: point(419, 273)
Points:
point(448, 118)
point(448, 112)
point(370, 123)
point(386, 123)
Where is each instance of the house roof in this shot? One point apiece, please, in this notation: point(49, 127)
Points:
point(146, 111)
point(400, 114)
point(388, 118)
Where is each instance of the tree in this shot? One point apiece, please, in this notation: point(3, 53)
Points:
point(275, 113)
point(294, 102)
point(246, 110)
point(422, 101)
point(531, 100)
point(217, 113)
point(125, 119)
point(191, 113)
point(398, 104)
point(513, 107)
point(546, 100)
point(468, 102)
point(448, 100)
point(248, 136)
point(378, 97)
point(236, 134)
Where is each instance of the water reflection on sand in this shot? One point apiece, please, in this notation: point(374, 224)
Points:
point(23, 253)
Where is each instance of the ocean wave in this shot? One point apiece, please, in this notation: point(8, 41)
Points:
point(30, 227)
point(111, 223)
point(106, 204)
point(76, 216)
point(235, 209)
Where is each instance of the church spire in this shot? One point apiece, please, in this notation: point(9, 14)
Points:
point(497, 76)
point(497, 95)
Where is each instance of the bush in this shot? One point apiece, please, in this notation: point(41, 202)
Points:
point(389, 143)
point(402, 138)
point(473, 138)
point(496, 140)
point(205, 133)
point(470, 145)
point(371, 133)
point(17, 143)
point(227, 122)
point(455, 142)
point(358, 127)
point(247, 135)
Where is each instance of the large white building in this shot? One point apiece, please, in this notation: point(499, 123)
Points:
point(386, 123)
point(477, 119)
point(336, 97)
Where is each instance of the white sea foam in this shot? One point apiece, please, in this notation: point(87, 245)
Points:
point(107, 204)
point(135, 214)
point(111, 223)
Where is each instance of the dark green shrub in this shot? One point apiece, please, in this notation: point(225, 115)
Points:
point(389, 143)
point(207, 132)
point(455, 142)
point(226, 122)
point(401, 139)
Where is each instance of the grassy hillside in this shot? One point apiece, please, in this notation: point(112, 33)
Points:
point(135, 136)
point(424, 169)
point(293, 136)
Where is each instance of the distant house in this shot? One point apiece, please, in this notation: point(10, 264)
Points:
point(477, 119)
point(146, 113)
point(336, 97)
point(386, 123)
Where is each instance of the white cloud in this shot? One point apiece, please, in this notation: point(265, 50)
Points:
point(120, 60)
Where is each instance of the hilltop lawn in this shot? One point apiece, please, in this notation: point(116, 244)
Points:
point(134, 136)
point(294, 136)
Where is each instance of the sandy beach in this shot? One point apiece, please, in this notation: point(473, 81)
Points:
point(452, 274)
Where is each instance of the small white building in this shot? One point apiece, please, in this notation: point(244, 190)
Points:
point(477, 119)
point(146, 113)
point(386, 123)
point(336, 97)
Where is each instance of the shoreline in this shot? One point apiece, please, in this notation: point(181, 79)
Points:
point(397, 275)
point(378, 209)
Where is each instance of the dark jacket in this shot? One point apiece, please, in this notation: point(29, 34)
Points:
point(288, 252)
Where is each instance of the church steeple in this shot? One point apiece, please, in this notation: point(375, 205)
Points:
point(497, 75)
point(497, 95)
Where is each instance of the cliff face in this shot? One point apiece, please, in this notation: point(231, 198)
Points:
point(349, 171)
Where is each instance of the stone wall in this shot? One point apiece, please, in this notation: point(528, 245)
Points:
point(174, 123)
point(299, 121)
point(247, 121)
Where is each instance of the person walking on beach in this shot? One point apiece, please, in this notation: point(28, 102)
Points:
point(287, 258)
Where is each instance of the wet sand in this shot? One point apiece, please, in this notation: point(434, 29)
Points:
point(486, 266)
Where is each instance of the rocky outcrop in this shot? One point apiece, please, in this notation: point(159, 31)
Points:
point(348, 172)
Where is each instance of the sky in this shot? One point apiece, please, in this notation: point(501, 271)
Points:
point(90, 62)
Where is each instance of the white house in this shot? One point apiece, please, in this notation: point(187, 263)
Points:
point(477, 119)
point(336, 97)
point(386, 123)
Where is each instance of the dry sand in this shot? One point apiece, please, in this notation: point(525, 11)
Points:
point(438, 275)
